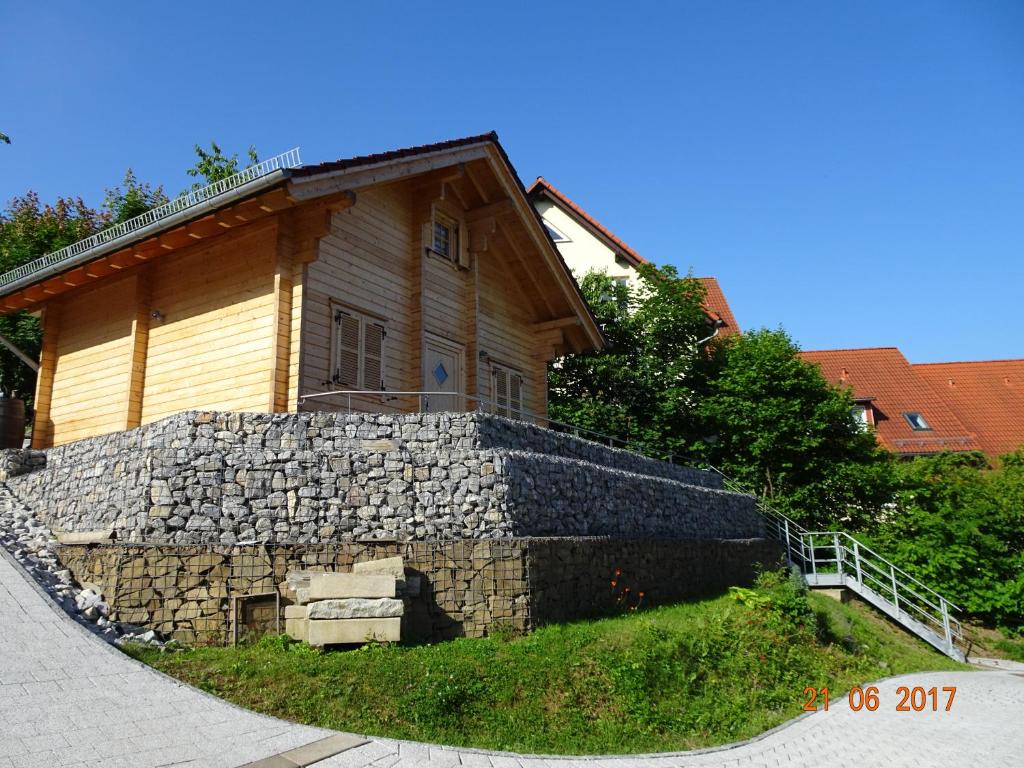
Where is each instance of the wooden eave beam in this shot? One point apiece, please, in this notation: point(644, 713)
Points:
point(497, 210)
point(477, 184)
point(516, 251)
point(562, 322)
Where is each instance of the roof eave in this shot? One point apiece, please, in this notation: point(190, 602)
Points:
point(256, 186)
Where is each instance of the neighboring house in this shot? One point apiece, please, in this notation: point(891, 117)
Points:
point(906, 413)
point(587, 245)
point(421, 269)
point(987, 396)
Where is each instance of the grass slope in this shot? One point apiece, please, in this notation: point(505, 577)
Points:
point(671, 678)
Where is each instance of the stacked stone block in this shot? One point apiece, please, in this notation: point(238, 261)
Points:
point(342, 608)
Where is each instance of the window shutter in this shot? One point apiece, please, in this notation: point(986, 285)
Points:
point(515, 395)
point(373, 356)
point(501, 391)
point(428, 235)
point(347, 371)
point(462, 248)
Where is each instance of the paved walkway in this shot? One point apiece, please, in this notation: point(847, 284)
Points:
point(69, 699)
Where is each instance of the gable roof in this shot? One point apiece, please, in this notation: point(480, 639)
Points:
point(357, 161)
point(987, 396)
point(715, 305)
point(293, 185)
point(883, 375)
point(542, 186)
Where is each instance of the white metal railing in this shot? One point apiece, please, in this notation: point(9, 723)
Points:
point(289, 159)
point(835, 558)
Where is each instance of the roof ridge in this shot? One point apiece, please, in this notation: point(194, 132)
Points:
point(973, 362)
point(851, 349)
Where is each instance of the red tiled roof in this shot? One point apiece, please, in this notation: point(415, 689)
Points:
point(884, 374)
point(987, 396)
point(394, 154)
point(715, 305)
point(542, 184)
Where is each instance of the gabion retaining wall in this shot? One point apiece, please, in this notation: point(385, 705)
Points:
point(466, 588)
point(203, 478)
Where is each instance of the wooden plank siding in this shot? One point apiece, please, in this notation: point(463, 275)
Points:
point(93, 361)
point(365, 263)
point(373, 260)
point(214, 345)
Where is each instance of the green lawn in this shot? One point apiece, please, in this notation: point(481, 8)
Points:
point(678, 677)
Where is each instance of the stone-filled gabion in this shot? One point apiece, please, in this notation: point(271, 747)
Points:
point(309, 478)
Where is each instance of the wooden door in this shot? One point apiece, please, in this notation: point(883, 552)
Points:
point(443, 371)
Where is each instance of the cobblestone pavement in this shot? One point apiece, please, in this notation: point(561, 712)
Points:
point(69, 699)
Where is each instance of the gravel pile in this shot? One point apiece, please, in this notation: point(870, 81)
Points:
point(34, 547)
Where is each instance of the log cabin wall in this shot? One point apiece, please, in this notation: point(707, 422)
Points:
point(375, 262)
point(212, 347)
point(91, 337)
point(364, 263)
point(108, 364)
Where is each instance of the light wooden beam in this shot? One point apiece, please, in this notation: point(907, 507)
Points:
point(562, 322)
point(139, 343)
point(42, 427)
point(495, 210)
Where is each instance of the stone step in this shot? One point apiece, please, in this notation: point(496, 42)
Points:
point(328, 586)
point(335, 631)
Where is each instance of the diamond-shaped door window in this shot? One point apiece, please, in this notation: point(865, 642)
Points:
point(440, 373)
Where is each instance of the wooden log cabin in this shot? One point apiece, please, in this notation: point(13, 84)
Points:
point(417, 270)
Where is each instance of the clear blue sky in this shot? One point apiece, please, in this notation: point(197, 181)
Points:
point(853, 171)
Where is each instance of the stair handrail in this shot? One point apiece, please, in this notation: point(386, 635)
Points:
point(787, 529)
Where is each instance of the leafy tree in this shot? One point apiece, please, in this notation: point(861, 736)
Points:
point(959, 527)
point(30, 229)
point(776, 425)
point(130, 199)
point(641, 388)
point(214, 165)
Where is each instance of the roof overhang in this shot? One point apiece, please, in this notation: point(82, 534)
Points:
point(241, 205)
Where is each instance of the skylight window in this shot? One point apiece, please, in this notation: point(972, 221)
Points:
point(556, 235)
point(916, 421)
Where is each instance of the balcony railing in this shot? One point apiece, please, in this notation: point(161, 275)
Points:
point(183, 202)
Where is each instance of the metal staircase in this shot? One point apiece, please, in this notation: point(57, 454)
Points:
point(838, 560)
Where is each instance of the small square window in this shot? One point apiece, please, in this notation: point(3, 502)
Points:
point(444, 236)
point(916, 421)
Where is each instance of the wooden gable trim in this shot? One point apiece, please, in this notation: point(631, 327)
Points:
point(588, 334)
point(389, 171)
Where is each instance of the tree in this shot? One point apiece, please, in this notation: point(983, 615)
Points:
point(30, 229)
point(778, 427)
point(5, 138)
point(135, 198)
point(958, 526)
point(215, 166)
point(641, 388)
